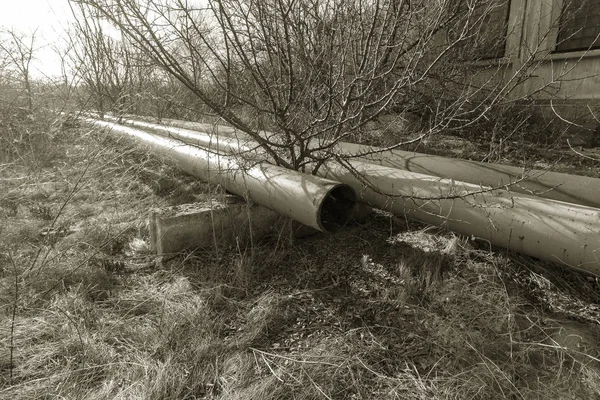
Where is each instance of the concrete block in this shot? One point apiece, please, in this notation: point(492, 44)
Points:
point(221, 222)
point(208, 224)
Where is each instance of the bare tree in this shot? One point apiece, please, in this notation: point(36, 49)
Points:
point(113, 73)
point(17, 51)
point(4, 62)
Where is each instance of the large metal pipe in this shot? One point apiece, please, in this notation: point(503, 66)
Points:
point(314, 201)
point(551, 230)
point(546, 184)
point(569, 188)
point(547, 229)
point(218, 143)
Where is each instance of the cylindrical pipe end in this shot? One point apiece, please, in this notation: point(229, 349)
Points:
point(336, 208)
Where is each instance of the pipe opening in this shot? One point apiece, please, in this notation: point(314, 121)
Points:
point(336, 209)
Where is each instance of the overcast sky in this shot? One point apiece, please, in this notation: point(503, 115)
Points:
point(50, 18)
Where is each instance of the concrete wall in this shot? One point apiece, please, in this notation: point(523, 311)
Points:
point(531, 38)
point(567, 83)
point(572, 75)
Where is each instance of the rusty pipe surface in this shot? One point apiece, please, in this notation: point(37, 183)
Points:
point(547, 229)
point(555, 231)
point(314, 201)
point(541, 183)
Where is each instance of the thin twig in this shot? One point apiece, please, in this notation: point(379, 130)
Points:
point(13, 319)
point(581, 154)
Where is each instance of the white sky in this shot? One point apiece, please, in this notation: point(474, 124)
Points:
point(50, 17)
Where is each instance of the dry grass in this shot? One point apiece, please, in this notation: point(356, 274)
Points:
point(382, 310)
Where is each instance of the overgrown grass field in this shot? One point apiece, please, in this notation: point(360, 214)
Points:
point(385, 309)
